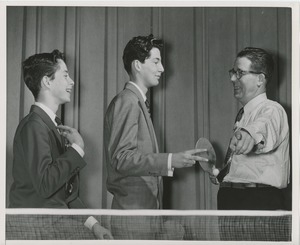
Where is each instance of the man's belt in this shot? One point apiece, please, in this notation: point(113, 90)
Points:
point(242, 185)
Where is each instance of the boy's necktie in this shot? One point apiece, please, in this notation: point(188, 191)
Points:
point(69, 184)
point(147, 105)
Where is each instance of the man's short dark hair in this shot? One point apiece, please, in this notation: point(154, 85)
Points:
point(39, 65)
point(138, 48)
point(261, 60)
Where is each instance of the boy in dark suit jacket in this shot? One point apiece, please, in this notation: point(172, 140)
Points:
point(45, 170)
point(47, 155)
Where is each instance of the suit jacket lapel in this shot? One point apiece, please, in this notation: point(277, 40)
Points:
point(146, 113)
point(47, 120)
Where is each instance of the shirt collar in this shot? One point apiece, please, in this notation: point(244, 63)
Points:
point(252, 104)
point(49, 112)
point(139, 89)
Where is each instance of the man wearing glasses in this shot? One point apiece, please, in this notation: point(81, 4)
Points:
point(260, 165)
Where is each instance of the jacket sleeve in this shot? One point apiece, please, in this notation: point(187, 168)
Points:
point(128, 155)
point(48, 173)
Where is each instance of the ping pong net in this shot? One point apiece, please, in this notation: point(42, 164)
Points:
point(203, 227)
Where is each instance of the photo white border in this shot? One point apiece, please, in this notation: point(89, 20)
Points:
point(294, 5)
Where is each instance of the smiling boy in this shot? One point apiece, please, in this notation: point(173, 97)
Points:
point(45, 170)
point(135, 166)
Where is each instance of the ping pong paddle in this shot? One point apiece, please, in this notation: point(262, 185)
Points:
point(210, 166)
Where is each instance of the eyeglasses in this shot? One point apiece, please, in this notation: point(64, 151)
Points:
point(239, 73)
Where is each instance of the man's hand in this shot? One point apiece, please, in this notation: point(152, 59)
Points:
point(187, 158)
point(213, 179)
point(101, 233)
point(242, 142)
point(72, 135)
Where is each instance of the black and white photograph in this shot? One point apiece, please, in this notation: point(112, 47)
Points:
point(156, 122)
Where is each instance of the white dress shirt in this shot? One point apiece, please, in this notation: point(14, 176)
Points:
point(266, 121)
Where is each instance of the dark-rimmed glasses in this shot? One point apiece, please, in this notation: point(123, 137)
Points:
point(239, 73)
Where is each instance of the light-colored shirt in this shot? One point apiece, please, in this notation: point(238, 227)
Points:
point(52, 116)
point(269, 162)
point(89, 223)
point(170, 169)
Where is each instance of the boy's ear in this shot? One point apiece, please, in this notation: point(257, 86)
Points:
point(46, 81)
point(136, 64)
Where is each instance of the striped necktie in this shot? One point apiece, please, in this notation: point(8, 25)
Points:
point(228, 158)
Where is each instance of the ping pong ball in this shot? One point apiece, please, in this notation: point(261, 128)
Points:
point(216, 172)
